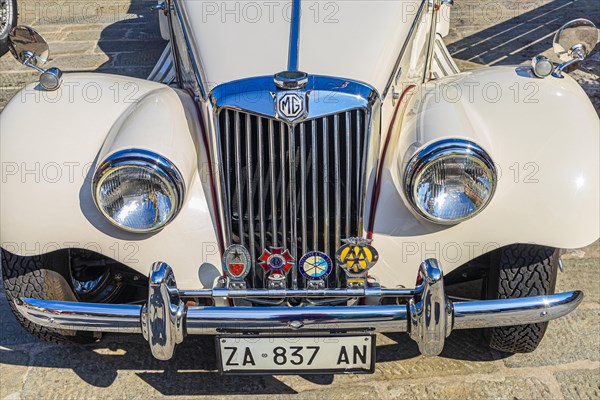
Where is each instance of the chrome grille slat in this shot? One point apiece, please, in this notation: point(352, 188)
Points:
point(326, 182)
point(303, 210)
point(227, 173)
point(359, 164)
point(238, 178)
point(293, 210)
point(283, 129)
point(273, 184)
point(261, 186)
point(364, 177)
point(337, 178)
point(348, 173)
point(250, 191)
point(315, 184)
point(298, 186)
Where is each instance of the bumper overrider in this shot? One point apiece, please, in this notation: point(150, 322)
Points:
point(429, 316)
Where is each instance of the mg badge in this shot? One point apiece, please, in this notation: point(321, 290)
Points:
point(290, 105)
point(236, 262)
point(356, 257)
point(315, 265)
point(277, 260)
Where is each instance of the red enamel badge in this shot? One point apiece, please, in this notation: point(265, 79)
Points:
point(277, 260)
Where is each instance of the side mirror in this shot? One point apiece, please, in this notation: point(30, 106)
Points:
point(31, 49)
point(574, 42)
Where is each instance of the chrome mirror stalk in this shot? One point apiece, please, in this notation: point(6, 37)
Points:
point(29, 47)
point(573, 42)
point(162, 6)
point(578, 53)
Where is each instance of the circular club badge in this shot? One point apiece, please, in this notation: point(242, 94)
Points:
point(315, 265)
point(236, 262)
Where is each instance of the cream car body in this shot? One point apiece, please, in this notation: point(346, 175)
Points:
point(542, 135)
point(508, 121)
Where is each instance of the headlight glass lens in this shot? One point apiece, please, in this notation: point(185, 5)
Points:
point(450, 181)
point(137, 195)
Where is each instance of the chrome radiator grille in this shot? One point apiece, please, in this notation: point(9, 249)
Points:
point(299, 187)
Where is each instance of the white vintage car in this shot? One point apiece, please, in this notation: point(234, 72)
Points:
point(293, 184)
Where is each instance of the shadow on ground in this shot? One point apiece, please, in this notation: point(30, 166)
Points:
point(133, 45)
point(522, 37)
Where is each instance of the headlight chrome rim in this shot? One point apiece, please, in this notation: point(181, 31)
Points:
point(436, 151)
point(150, 161)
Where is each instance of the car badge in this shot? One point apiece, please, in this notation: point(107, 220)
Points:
point(290, 105)
point(236, 262)
point(315, 265)
point(356, 257)
point(277, 260)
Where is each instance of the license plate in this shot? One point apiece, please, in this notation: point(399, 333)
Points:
point(296, 354)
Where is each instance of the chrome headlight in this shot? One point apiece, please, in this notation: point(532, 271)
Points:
point(137, 190)
point(450, 180)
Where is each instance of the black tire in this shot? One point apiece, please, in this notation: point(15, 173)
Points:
point(8, 16)
point(41, 277)
point(520, 270)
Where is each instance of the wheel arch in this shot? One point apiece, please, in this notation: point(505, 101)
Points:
point(50, 143)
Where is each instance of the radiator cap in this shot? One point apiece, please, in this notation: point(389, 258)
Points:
point(290, 80)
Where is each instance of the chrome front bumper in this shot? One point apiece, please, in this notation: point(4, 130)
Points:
point(429, 316)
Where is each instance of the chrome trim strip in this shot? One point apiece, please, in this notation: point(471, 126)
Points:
point(435, 5)
point(407, 41)
point(191, 52)
point(294, 48)
point(301, 293)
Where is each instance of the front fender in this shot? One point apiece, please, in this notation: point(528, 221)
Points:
point(50, 143)
point(543, 136)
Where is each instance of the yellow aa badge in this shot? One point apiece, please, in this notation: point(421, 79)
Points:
point(356, 257)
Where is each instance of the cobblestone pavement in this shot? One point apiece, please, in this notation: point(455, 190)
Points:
point(122, 37)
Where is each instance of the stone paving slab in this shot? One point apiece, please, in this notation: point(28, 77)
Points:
point(580, 384)
point(122, 37)
point(116, 37)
